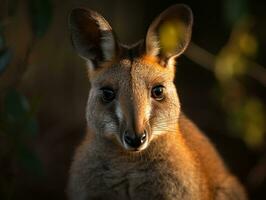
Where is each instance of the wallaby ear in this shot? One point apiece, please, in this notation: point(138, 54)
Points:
point(169, 34)
point(92, 36)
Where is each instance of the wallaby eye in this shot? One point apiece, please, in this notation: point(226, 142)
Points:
point(108, 94)
point(157, 92)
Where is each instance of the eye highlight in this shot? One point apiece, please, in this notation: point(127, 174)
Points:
point(108, 94)
point(157, 92)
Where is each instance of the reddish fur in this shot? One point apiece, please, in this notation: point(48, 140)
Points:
point(178, 161)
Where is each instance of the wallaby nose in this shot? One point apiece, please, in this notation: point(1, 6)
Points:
point(135, 140)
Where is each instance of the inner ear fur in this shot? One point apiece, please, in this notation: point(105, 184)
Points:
point(169, 34)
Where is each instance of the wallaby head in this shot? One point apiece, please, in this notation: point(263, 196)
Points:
point(133, 99)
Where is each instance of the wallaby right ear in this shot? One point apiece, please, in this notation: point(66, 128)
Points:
point(169, 34)
point(92, 36)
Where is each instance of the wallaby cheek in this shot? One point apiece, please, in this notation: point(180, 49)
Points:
point(101, 121)
point(165, 115)
point(90, 116)
point(94, 112)
point(91, 106)
point(173, 102)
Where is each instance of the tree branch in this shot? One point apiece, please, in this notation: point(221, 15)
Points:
point(207, 60)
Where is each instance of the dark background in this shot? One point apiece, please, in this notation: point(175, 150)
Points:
point(221, 82)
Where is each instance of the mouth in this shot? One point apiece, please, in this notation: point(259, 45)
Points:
point(135, 149)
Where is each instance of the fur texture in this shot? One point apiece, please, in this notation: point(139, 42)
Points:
point(176, 161)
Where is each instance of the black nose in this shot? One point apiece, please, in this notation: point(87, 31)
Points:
point(135, 140)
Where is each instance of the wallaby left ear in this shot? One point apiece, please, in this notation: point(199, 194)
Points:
point(92, 36)
point(169, 34)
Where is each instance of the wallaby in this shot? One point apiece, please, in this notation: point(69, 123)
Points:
point(139, 145)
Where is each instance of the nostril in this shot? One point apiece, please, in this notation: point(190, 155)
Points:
point(128, 139)
point(143, 137)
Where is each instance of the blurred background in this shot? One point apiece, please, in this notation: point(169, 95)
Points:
point(221, 82)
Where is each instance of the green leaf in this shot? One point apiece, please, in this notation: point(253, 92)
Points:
point(235, 10)
point(2, 41)
point(29, 160)
point(12, 7)
point(31, 127)
point(40, 16)
point(16, 105)
point(5, 58)
point(254, 125)
point(19, 118)
point(1, 27)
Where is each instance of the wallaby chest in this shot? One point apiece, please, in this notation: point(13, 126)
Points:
point(142, 177)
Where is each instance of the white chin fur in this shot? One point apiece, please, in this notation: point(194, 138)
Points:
point(119, 112)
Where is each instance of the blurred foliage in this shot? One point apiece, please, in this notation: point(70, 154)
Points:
point(235, 10)
point(234, 58)
point(12, 7)
point(5, 53)
point(245, 113)
point(18, 126)
point(40, 15)
point(5, 58)
point(2, 40)
point(18, 123)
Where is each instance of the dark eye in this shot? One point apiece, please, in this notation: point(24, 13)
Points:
point(108, 94)
point(157, 92)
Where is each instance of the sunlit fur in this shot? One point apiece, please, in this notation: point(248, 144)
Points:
point(177, 162)
point(133, 107)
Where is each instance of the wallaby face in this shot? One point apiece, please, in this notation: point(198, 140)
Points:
point(133, 99)
point(132, 107)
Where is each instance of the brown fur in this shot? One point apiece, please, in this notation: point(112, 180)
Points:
point(178, 161)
